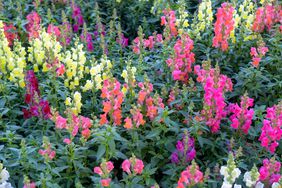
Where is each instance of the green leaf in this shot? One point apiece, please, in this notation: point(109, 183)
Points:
point(101, 151)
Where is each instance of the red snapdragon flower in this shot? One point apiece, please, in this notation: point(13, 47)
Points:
point(223, 26)
point(10, 32)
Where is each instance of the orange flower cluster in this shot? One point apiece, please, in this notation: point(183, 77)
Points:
point(113, 96)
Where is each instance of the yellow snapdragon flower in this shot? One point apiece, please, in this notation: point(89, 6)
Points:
point(12, 62)
point(74, 61)
point(203, 20)
point(44, 50)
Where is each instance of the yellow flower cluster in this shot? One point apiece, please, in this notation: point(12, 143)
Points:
point(247, 16)
point(237, 20)
point(43, 50)
point(262, 2)
point(74, 61)
point(129, 77)
point(75, 104)
point(204, 18)
point(12, 63)
point(182, 21)
point(98, 73)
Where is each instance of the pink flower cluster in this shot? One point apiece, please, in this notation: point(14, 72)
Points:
point(257, 54)
point(132, 165)
point(10, 33)
point(270, 170)
point(136, 120)
point(215, 85)
point(87, 38)
point(75, 123)
point(47, 152)
point(241, 117)
point(29, 185)
point(122, 40)
point(223, 26)
point(113, 96)
point(266, 17)
point(37, 106)
point(169, 20)
point(55, 30)
point(33, 25)
point(77, 16)
point(183, 58)
point(190, 177)
point(144, 99)
point(66, 33)
point(147, 43)
point(185, 150)
point(271, 131)
point(104, 171)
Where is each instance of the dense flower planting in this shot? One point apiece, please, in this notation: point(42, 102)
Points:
point(141, 94)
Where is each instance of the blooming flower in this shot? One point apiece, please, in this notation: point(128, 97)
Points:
point(215, 85)
point(106, 182)
point(77, 16)
point(269, 172)
point(133, 164)
point(185, 150)
point(47, 152)
point(251, 177)
point(272, 128)
point(10, 33)
point(54, 30)
point(104, 171)
point(191, 176)
point(183, 59)
point(223, 26)
point(169, 20)
point(241, 117)
point(33, 24)
point(230, 172)
point(37, 106)
point(113, 96)
point(266, 17)
point(4, 174)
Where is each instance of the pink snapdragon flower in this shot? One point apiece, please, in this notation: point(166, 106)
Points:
point(266, 17)
point(270, 171)
point(33, 25)
point(183, 58)
point(169, 20)
point(215, 85)
point(104, 171)
point(271, 131)
point(190, 176)
point(133, 164)
point(257, 54)
point(241, 117)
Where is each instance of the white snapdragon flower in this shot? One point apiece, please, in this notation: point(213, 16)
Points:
point(223, 171)
point(6, 185)
point(275, 185)
point(235, 174)
point(259, 185)
point(248, 179)
point(237, 186)
point(4, 175)
point(226, 185)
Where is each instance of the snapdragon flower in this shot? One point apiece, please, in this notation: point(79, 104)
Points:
point(229, 172)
